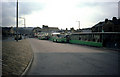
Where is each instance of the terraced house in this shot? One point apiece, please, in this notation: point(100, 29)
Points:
point(107, 26)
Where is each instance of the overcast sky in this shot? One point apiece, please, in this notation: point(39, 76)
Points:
point(58, 13)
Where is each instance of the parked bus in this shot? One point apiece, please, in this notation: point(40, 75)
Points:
point(99, 39)
point(58, 37)
point(43, 36)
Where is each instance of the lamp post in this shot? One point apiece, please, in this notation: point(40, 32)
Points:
point(79, 24)
point(17, 21)
point(24, 21)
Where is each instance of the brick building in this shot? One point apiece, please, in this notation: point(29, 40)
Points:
point(107, 26)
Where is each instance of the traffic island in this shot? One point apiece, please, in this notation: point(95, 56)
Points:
point(16, 57)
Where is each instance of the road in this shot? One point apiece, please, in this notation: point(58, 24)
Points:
point(69, 59)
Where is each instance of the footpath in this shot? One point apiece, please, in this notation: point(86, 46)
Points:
point(16, 57)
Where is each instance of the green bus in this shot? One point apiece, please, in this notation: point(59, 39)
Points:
point(58, 37)
point(43, 36)
point(99, 39)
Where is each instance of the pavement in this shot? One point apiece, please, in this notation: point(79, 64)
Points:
point(52, 58)
point(15, 56)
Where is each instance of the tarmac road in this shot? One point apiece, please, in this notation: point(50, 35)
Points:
point(69, 59)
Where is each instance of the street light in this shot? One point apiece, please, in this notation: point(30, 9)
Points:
point(17, 21)
point(79, 24)
point(24, 21)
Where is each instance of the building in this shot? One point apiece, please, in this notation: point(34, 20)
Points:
point(107, 26)
point(97, 27)
point(112, 25)
point(72, 30)
point(86, 30)
point(36, 31)
point(7, 31)
point(24, 30)
point(45, 28)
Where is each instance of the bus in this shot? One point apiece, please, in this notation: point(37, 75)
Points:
point(99, 39)
point(43, 36)
point(58, 37)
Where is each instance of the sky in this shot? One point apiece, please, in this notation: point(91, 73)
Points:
point(58, 13)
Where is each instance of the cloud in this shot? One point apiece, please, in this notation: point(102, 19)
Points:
point(26, 8)
point(0, 14)
point(96, 4)
point(98, 11)
point(119, 9)
point(61, 13)
point(8, 14)
point(9, 11)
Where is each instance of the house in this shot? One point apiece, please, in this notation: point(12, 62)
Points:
point(36, 31)
point(97, 27)
point(45, 28)
point(107, 26)
point(86, 30)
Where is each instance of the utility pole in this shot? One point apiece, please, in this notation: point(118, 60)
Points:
point(24, 23)
point(79, 24)
point(17, 22)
